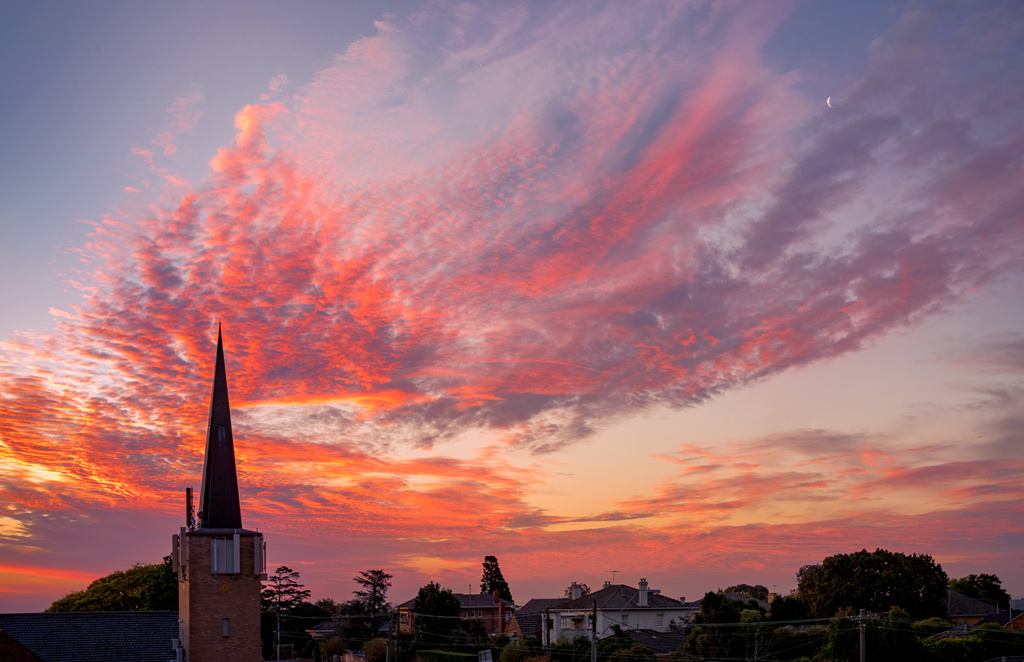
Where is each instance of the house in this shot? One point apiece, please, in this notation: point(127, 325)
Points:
point(615, 604)
point(967, 610)
point(492, 610)
point(528, 620)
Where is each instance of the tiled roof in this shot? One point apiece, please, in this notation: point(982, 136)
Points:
point(95, 636)
point(958, 604)
point(620, 596)
point(480, 600)
point(467, 600)
point(530, 617)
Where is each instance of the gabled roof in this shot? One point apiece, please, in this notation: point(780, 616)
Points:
point(468, 601)
point(620, 596)
point(218, 504)
point(530, 617)
point(95, 636)
point(960, 605)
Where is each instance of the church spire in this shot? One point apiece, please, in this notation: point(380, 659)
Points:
point(218, 505)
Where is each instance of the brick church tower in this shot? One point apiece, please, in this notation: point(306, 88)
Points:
point(220, 565)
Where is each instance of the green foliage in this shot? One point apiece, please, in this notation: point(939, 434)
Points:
point(757, 591)
point(437, 613)
point(492, 579)
point(141, 588)
point(874, 581)
point(577, 650)
point(786, 608)
point(986, 642)
point(515, 653)
point(887, 638)
point(987, 588)
point(444, 656)
point(637, 652)
point(376, 650)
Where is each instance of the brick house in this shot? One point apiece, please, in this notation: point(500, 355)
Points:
point(492, 610)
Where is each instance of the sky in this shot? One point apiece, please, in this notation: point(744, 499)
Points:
point(697, 292)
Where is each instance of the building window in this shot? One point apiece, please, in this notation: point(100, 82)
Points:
point(660, 620)
point(625, 620)
point(225, 627)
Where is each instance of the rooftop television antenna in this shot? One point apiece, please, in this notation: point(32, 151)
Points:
point(613, 574)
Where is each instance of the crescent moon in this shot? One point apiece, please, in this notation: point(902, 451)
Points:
point(828, 102)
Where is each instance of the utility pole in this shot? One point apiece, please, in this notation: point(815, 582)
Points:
point(593, 634)
point(860, 625)
point(547, 629)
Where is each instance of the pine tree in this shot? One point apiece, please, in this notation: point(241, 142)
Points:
point(373, 597)
point(492, 579)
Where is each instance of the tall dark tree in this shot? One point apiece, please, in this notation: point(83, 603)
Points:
point(987, 588)
point(493, 580)
point(373, 597)
point(283, 591)
point(437, 612)
point(283, 594)
point(875, 581)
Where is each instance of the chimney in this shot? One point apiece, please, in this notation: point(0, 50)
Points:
point(643, 592)
point(607, 583)
point(497, 597)
point(577, 591)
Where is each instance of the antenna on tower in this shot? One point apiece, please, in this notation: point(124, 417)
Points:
point(190, 510)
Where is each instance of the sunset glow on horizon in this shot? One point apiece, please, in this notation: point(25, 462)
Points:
point(582, 286)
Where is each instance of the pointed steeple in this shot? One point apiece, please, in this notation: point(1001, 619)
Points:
point(218, 505)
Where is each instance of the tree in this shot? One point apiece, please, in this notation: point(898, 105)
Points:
point(584, 590)
point(758, 592)
point(141, 588)
point(493, 580)
point(987, 588)
point(875, 581)
point(283, 594)
point(789, 608)
point(437, 612)
point(374, 596)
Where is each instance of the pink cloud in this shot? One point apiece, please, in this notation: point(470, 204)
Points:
point(432, 241)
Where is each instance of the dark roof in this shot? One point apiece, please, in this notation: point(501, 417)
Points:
point(95, 636)
point(468, 600)
point(530, 617)
point(659, 642)
point(218, 505)
point(999, 618)
point(960, 605)
point(620, 596)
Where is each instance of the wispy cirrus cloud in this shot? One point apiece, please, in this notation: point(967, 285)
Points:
point(524, 224)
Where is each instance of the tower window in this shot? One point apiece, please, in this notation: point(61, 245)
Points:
point(223, 556)
point(225, 627)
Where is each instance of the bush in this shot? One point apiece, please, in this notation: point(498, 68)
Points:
point(444, 656)
point(376, 650)
point(515, 653)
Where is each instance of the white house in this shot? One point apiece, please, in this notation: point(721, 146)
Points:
point(616, 604)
